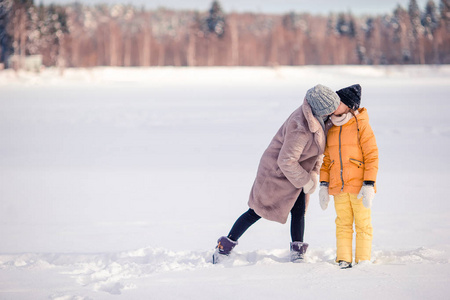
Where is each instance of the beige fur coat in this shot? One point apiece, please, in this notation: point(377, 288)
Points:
point(286, 165)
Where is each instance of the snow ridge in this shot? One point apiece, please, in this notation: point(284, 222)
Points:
point(115, 272)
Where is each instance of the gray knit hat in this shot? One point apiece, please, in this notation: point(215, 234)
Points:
point(323, 100)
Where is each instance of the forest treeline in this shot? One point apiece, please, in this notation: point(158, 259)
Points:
point(78, 35)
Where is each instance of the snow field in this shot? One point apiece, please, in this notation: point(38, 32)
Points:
point(118, 182)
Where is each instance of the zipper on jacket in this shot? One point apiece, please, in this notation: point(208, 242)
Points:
point(357, 162)
point(340, 158)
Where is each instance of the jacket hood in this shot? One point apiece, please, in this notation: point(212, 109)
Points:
point(362, 115)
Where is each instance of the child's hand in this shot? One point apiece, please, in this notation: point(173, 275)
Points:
point(367, 193)
point(324, 197)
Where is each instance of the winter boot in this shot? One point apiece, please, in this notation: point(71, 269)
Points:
point(344, 265)
point(298, 250)
point(223, 248)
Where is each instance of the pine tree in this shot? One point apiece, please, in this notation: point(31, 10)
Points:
point(417, 32)
point(216, 19)
point(18, 27)
point(346, 25)
point(369, 28)
point(53, 28)
point(414, 15)
point(402, 34)
point(351, 27)
point(33, 43)
point(444, 31)
point(430, 20)
point(341, 25)
point(444, 8)
point(5, 37)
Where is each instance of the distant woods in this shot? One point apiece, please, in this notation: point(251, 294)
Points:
point(79, 35)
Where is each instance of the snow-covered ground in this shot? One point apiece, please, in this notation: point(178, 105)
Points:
point(116, 183)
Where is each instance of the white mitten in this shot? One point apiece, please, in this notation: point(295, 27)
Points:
point(367, 192)
point(324, 197)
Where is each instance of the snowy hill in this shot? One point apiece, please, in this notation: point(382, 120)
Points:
point(116, 183)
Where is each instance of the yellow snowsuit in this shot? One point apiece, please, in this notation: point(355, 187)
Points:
point(349, 159)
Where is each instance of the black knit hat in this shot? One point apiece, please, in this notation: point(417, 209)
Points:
point(351, 96)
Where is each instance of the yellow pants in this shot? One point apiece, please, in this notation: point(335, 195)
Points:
point(349, 208)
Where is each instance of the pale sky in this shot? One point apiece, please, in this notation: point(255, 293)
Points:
point(270, 6)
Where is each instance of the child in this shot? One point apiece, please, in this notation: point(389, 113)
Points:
point(349, 172)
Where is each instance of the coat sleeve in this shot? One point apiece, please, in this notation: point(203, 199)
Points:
point(318, 164)
point(370, 153)
point(325, 169)
point(294, 143)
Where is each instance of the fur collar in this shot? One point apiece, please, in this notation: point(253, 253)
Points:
point(313, 123)
point(315, 127)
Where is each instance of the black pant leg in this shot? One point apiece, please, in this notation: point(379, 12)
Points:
point(298, 219)
point(246, 220)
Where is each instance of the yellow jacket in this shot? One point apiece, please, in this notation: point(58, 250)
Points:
point(348, 162)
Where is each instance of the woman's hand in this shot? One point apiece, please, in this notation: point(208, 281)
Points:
point(310, 187)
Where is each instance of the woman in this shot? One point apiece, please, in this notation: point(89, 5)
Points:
point(288, 172)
